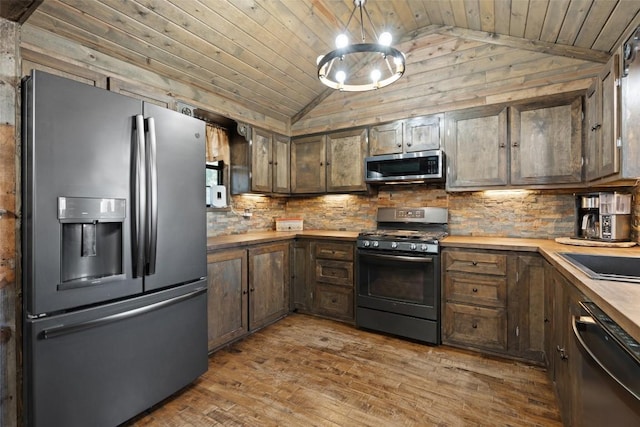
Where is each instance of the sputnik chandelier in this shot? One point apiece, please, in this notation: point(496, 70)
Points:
point(361, 66)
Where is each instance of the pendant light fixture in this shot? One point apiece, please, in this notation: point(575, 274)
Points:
point(361, 66)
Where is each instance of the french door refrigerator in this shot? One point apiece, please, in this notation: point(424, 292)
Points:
point(114, 253)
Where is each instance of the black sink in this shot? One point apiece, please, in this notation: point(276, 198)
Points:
point(604, 267)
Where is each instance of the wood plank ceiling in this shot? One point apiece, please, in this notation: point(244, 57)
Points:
point(262, 53)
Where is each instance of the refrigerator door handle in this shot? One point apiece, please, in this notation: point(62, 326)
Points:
point(59, 331)
point(139, 205)
point(152, 179)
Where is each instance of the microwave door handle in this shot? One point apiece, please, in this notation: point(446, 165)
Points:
point(152, 200)
point(139, 194)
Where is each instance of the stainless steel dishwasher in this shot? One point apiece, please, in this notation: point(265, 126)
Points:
point(610, 382)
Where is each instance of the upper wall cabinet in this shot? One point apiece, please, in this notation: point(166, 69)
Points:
point(546, 142)
point(534, 144)
point(602, 155)
point(329, 163)
point(476, 146)
point(261, 166)
point(403, 136)
point(269, 162)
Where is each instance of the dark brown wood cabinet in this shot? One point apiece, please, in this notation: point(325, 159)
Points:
point(537, 144)
point(476, 143)
point(247, 289)
point(227, 299)
point(323, 282)
point(602, 154)
point(493, 302)
point(564, 358)
point(404, 136)
point(331, 163)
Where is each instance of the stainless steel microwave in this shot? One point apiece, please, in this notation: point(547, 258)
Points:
point(421, 166)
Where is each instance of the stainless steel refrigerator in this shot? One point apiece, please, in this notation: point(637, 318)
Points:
point(114, 253)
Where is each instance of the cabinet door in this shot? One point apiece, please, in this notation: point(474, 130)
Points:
point(476, 147)
point(300, 289)
point(268, 284)
point(594, 131)
point(526, 308)
point(546, 142)
point(308, 169)
point(345, 160)
point(386, 139)
point(261, 161)
point(281, 165)
point(609, 153)
point(423, 133)
point(227, 296)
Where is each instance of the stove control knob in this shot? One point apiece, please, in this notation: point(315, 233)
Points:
point(394, 245)
point(413, 246)
point(375, 244)
point(366, 243)
point(423, 247)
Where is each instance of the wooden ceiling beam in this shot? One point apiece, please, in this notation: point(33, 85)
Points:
point(18, 10)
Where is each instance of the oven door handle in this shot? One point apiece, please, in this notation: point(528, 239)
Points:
point(415, 259)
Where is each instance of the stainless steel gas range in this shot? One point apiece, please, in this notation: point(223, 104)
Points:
point(398, 273)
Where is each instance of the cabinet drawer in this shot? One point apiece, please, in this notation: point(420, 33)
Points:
point(475, 326)
point(334, 301)
point(475, 262)
point(342, 251)
point(334, 272)
point(476, 289)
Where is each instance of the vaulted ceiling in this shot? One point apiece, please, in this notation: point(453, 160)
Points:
point(262, 53)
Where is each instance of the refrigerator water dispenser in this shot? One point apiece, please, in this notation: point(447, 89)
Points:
point(91, 240)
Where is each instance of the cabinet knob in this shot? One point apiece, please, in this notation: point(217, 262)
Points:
point(252, 289)
point(334, 300)
point(270, 162)
point(474, 325)
point(275, 163)
point(328, 163)
point(398, 145)
point(474, 263)
point(596, 127)
point(408, 144)
point(321, 163)
point(502, 145)
point(516, 143)
point(475, 289)
point(244, 292)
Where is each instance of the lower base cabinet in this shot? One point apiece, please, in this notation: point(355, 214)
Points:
point(564, 361)
point(493, 301)
point(323, 280)
point(248, 289)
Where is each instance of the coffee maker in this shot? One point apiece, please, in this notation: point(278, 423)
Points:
point(588, 216)
point(615, 216)
point(603, 216)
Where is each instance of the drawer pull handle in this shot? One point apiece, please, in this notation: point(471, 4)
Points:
point(475, 289)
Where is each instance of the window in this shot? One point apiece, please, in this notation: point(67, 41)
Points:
point(215, 177)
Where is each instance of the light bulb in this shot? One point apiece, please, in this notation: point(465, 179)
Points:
point(341, 41)
point(341, 76)
point(385, 39)
point(375, 75)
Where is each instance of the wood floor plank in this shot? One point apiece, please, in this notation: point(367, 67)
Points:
point(306, 371)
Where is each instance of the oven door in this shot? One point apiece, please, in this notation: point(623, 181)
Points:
point(407, 284)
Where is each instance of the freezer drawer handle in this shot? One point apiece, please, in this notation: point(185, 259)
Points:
point(70, 329)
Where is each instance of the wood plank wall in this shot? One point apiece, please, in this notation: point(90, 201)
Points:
point(449, 71)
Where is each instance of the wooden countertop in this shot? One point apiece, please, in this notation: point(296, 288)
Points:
point(620, 300)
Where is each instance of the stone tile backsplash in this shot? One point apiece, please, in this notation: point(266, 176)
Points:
point(532, 214)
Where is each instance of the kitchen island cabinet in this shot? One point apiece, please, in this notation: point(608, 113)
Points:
point(493, 301)
point(248, 289)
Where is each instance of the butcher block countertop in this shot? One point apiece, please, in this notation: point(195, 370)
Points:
point(620, 300)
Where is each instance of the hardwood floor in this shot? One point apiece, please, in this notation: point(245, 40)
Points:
point(305, 371)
